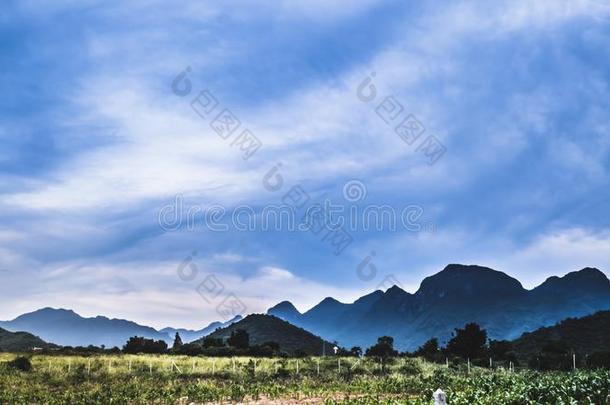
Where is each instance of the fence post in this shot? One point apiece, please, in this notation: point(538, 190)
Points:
point(469, 365)
point(150, 367)
point(297, 366)
point(574, 361)
point(490, 363)
point(318, 365)
point(339, 364)
point(447, 362)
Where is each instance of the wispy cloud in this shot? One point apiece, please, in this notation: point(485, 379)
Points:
point(94, 143)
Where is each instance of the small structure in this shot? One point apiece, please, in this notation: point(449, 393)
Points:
point(439, 397)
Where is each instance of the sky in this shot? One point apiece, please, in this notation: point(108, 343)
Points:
point(119, 184)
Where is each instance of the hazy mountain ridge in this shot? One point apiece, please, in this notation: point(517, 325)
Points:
point(449, 299)
point(189, 335)
point(67, 328)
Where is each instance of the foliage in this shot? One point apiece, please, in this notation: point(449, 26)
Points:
point(177, 342)
point(429, 350)
point(172, 379)
point(468, 342)
point(21, 363)
point(384, 348)
point(240, 339)
point(138, 344)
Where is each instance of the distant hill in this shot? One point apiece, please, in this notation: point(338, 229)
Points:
point(580, 335)
point(449, 299)
point(67, 328)
point(265, 328)
point(20, 341)
point(188, 335)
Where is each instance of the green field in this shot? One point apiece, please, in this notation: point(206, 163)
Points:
point(167, 379)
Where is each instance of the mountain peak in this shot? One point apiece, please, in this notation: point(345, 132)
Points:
point(395, 290)
point(458, 280)
point(589, 279)
point(329, 301)
point(285, 310)
point(284, 306)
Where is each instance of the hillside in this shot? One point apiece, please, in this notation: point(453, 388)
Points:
point(265, 328)
point(20, 341)
point(581, 335)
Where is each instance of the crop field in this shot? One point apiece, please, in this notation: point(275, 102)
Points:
point(169, 379)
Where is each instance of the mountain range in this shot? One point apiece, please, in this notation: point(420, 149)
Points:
point(67, 328)
point(449, 299)
point(457, 295)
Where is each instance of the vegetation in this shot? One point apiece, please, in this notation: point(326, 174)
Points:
point(138, 344)
point(172, 379)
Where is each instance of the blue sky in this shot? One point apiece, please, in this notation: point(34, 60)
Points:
point(94, 143)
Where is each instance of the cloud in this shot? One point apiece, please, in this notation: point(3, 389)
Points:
point(516, 91)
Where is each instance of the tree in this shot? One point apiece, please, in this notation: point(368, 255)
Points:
point(468, 342)
point(177, 342)
point(138, 344)
point(356, 351)
point(499, 349)
point(239, 339)
point(212, 342)
point(429, 349)
point(384, 348)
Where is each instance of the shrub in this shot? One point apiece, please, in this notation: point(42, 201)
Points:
point(21, 363)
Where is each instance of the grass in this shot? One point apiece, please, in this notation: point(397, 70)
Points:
point(145, 379)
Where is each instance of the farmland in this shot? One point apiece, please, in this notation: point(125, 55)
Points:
point(171, 379)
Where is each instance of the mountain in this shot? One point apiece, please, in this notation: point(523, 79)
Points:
point(20, 341)
point(67, 328)
point(268, 328)
point(581, 335)
point(449, 299)
point(188, 335)
point(286, 311)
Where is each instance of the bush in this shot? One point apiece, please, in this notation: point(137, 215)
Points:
point(411, 367)
point(21, 363)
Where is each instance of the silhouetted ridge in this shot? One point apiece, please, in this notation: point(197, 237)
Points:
point(459, 280)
